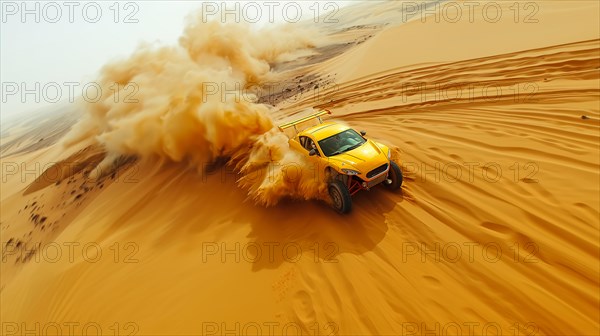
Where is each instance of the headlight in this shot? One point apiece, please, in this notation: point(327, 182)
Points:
point(389, 153)
point(350, 172)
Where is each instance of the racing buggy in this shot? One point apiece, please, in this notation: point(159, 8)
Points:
point(344, 157)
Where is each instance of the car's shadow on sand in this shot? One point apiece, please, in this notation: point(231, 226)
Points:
point(294, 230)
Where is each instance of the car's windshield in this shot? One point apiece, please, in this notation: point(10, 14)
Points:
point(341, 142)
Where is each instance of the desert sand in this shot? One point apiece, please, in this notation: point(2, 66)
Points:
point(495, 231)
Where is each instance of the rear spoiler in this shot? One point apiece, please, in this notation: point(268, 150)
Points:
point(293, 124)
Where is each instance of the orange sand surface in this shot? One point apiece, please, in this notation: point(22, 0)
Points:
point(495, 229)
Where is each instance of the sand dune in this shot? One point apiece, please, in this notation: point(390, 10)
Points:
point(495, 230)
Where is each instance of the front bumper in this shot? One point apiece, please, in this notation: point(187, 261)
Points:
point(377, 180)
point(357, 183)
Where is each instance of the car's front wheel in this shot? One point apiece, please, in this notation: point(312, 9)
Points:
point(340, 197)
point(395, 176)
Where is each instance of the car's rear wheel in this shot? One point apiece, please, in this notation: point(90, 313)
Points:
point(340, 197)
point(395, 176)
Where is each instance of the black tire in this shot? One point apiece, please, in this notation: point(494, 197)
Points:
point(395, 174)
point(340, 197)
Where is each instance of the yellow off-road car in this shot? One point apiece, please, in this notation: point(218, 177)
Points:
point(344, 157)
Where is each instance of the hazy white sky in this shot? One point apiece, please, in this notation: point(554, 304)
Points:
point(49, 51)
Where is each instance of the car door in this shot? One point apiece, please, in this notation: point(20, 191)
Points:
point(318, 162)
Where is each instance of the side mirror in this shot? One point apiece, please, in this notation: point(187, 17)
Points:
point(312, 152)
point(363, 133)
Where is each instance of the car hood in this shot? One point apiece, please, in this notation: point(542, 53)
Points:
point(364, 158)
